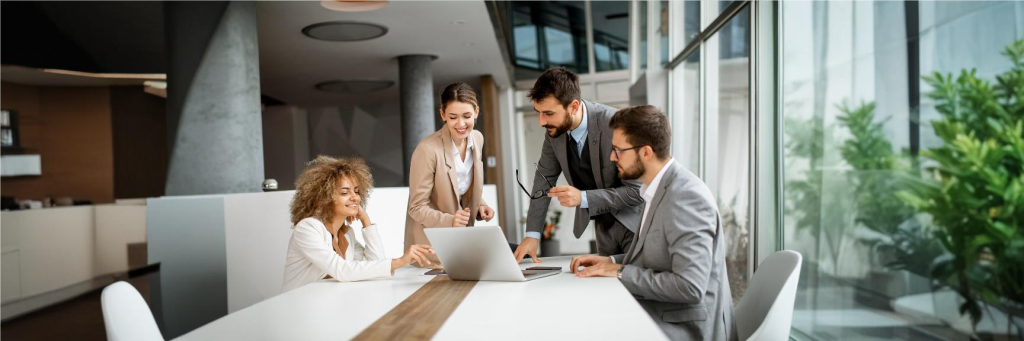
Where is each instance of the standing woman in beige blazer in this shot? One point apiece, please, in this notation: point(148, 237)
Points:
point(446, 176)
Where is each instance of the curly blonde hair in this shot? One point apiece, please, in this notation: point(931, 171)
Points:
point(315, 188)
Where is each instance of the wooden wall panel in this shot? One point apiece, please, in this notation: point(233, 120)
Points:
point(72, 133)
point(25, 100)
point(139, 123)
point(492, 143)
point(78, 154)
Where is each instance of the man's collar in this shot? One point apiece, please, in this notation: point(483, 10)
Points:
point(582, 128)
point(648, 190)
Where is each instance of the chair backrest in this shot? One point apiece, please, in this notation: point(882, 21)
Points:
point(766, 310)
point(126, 315)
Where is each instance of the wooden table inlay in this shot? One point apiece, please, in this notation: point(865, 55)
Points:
point(421, 315)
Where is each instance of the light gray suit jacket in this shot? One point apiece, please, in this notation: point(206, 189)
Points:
point(620, 198)
point(676, 267)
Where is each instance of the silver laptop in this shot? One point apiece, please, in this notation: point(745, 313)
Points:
point(479, 253)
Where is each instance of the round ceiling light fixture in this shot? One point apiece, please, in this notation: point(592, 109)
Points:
point(344, 31)
point(354, 6)
point(354, 86)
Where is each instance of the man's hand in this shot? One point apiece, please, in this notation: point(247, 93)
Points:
point(527, 247)
point(485, 213)
point(600, 270)
point(587, 261)
point(461, 218)
point(568, 196)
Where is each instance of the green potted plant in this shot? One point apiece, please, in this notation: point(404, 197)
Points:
point(549, 246)
point(974, 188)
point(890, 228)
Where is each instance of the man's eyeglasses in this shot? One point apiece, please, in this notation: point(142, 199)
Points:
point(539, 193)
point(616, 151)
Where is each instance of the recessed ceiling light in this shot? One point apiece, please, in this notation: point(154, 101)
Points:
point(354, 6)
point(354, 86)
point(344, 31)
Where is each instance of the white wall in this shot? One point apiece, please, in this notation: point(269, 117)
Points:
point(54, 248)
point(116, 226)
point(257, 229)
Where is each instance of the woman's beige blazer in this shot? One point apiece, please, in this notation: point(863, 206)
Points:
point(432, 180)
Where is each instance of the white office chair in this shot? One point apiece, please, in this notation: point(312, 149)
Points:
point(766, 310)
point(126, 315)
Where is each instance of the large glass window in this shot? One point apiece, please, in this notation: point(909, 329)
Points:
point(728, 154)
point(685, 113)
point(685, 24)
point(643, 34)
point(524, 33)
point(691, 21)
point(661, 30)
point(611, 34)
point(549, 34)
point(897, 168)
point(712, 125)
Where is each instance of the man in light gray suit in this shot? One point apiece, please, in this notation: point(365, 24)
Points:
point(676, 267)
point(578, 138)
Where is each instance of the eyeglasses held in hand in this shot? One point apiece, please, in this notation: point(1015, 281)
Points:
point(539, 193)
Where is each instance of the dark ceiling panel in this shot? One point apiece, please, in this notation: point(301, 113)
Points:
point(108, 37)
point(29, 38)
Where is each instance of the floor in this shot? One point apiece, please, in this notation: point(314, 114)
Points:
point(80, 318)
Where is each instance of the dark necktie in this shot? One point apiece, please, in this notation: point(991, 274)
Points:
point(573, 146)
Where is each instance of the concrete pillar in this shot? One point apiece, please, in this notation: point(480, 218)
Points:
point(213, 98)
point(416, 85)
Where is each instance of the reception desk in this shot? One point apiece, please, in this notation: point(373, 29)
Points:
point(556, 307)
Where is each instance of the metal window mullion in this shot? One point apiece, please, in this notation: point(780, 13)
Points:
point(712, 28)
point(588, 8)
point(752, 127)
point(780, 156)
point(634, 41)
point(652, 55)
point(702, 112)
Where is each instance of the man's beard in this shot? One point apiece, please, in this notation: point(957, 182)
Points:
point(562, 128)
point(632, 173)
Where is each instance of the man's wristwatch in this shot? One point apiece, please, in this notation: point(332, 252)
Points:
point(618, 273)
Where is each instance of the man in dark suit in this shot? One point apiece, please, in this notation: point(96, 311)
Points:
point(577, 144)
point(676, 267)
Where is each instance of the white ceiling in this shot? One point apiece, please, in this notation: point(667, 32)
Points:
point(291, 63)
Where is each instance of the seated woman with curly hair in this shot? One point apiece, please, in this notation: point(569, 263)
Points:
point(330, 194)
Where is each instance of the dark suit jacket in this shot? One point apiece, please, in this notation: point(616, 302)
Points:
point(621, 199)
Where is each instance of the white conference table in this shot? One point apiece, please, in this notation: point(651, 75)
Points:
point(559, 307)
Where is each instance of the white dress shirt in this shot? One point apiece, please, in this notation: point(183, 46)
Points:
point(580, 134)
point(463, 167)
point(647, 192)
point(311, 257)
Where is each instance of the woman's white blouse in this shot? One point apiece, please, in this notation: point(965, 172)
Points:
point(311, 256)
point(463, 167)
